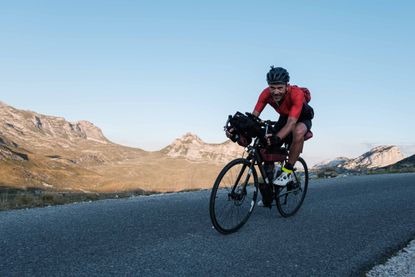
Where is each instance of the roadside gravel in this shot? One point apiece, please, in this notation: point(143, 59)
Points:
point(402, 265)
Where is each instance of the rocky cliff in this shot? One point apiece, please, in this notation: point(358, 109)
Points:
point(192, 148)
point(330, 163)
point(377, 157)
point(405, 165)
point(38, 130)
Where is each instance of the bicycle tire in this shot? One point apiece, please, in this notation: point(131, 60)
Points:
point(222, 200)
point(292, 190)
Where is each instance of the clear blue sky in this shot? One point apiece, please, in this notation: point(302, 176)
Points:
point(146, 72)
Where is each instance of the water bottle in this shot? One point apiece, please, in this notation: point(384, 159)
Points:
point(277, 171)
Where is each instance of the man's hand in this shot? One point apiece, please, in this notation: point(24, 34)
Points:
point(272, 139)
point(229, 133)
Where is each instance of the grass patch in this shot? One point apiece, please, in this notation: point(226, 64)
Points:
point(393, 170)
point(11, 198)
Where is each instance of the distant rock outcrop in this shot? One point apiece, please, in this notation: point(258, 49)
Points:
point(8, 154)
point(37, 129)
point(192, 148)
point(377, 157)
point(330, 163)
point(407, 162)
point(405, 165)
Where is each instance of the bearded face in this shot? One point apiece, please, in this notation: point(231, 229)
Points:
point(278, 92)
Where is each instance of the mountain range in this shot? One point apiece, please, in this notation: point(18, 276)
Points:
point(377, 157)
point(49, 152)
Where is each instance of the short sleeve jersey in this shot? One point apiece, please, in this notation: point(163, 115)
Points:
point(290, 106)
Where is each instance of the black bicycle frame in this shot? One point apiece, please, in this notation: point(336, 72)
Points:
point(256, 158)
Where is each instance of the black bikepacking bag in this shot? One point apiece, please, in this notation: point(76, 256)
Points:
point(245, 125)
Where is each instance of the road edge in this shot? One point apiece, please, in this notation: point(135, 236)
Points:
point(401, 264)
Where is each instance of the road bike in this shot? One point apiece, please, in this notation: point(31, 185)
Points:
point(234, 193)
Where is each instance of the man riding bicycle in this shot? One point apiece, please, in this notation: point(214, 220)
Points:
point(294, 122)
point(235, 190)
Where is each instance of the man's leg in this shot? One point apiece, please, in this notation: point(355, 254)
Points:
point(298, 141)
point(296, 148)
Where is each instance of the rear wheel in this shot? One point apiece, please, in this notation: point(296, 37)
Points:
point(233, 196)
point(290, 198)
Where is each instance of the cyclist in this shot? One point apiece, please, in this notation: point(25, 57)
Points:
point(294, 122)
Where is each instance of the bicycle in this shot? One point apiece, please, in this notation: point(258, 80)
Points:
point(234, 193)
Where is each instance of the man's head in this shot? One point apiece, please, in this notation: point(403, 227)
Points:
point(278, 92)
point(278, 79)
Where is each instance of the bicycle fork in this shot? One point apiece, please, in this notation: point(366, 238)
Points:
point(245, 182)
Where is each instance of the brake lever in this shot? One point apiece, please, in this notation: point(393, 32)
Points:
point(227, 122)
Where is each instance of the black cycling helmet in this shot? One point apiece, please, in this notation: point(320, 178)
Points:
point(278, 75)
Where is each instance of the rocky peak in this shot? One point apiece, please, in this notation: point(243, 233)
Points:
point(189, 138)
point(89, 131)
point(379, 156)
point(331, 163)
point(192, 148)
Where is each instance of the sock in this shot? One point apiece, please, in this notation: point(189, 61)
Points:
point(288, 168)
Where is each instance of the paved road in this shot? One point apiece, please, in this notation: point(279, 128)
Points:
point(344, 227)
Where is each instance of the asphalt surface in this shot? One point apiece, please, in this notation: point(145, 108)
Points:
point(344, 228)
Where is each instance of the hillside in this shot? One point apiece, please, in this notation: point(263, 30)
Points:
point(51, 153)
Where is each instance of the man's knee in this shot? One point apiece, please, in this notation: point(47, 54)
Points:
point(299, 131)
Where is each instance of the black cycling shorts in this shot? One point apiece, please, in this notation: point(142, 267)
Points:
point(307, 114)
point(283, 120)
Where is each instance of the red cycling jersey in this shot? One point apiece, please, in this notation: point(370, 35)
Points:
point(290, 106)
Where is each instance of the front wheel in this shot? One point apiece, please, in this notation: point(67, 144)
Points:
point(233, 196)
point(290, 198)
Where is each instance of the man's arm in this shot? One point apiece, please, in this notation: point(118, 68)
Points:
point(256, 113)
point(261, 103)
